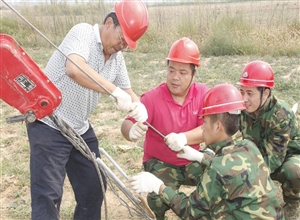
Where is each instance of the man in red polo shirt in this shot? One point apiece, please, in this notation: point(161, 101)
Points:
point(174, 109)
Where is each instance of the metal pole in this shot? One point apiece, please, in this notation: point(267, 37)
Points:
point(52, 44)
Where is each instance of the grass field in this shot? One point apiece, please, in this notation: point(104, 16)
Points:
point(146, 70)
point(146, 67)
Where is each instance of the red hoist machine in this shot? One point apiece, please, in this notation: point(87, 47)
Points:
point(25, 87)
point(23, 84)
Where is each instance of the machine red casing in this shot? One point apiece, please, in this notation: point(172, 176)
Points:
point(23, 84)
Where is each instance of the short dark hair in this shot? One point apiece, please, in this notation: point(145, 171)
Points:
point(114, 17)
point(262, 89)
point(192, 66)
point(230, 122)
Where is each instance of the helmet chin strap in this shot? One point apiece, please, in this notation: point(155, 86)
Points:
point(261, 96)
point(262, 90)
point(193, 74)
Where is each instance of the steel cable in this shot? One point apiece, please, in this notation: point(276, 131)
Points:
point(66, 130)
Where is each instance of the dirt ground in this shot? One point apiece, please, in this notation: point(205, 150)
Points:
point(113, 208)
point(15, 191)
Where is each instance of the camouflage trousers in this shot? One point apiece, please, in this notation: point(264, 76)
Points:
point(173, 176)
point(289, 177)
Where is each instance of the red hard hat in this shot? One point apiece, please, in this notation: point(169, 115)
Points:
point(133, 18)
point(184, 50)
point(223, 98)
point(257, 74)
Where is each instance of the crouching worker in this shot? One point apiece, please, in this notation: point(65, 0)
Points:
point(236, 183)
point(270, 123)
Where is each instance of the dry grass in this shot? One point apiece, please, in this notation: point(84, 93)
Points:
point(146, 67)
point(15, 199)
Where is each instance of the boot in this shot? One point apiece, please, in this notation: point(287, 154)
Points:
point(292, 211)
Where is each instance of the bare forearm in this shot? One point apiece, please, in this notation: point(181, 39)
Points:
point(194, 136)
point(83, 79)
point(125, 128)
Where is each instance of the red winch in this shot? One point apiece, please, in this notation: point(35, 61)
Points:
point(23, 84)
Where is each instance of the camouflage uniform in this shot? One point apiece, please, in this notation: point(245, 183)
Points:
point(172, 176)
point(235, 185)
point(277, 136)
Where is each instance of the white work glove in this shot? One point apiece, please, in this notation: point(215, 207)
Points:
point(145, 182)
point(137, 131)
point(138, 111)
point(191, 154)
point(176, 141)
point(295, 108)
point(123, 101)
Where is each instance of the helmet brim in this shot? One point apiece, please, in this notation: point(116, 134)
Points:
point(196, 63)
point(132, 44)
point(254, 85)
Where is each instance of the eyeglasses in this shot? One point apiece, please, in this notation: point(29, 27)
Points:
point(122, 40)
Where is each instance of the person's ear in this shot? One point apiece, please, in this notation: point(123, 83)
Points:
point(217, 126)
point(108, 22)
point(266, 94)
point(193, 75)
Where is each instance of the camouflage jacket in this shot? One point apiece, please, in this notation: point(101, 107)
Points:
point(236, 185)
point(275, 131)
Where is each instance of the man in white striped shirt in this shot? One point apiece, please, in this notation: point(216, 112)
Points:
point(97, 50)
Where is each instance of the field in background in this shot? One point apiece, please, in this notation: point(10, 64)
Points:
point(221, 31)
point(228, 28)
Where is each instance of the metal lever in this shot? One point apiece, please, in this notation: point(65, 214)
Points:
point(154, 129)
point(28, 117)
point(157, 131)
